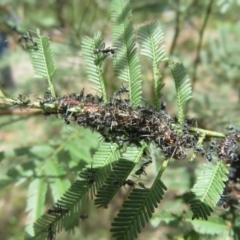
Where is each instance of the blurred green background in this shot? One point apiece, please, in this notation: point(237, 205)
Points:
point(203, 35)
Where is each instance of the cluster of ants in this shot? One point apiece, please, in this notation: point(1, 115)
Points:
point(228, 150)
point(117, 121)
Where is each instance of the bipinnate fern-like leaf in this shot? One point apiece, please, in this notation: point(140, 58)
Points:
point(183, 87)
point(207, 189)
point(150, 38)
point(119, 173)
point(71, 202)
point(75, 198)
point(94, 61)
point(137, 210)
point(125, 62)
point(42, 60)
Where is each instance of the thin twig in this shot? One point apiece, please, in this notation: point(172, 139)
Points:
point(176, 34)
point(177, 29)
point(201, 33)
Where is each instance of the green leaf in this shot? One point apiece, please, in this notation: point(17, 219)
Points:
point(208, 189)
point(75, 198)
point(72, 201)
point(137, 210)
point(93, 62)
point(183, 87)
point(125, 62)
point(150, 38)
point(42, 60)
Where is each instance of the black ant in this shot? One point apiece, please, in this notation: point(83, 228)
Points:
point(48, 98)
point(163, 106)
point(116, 99)
point(209, 157)
point(88, 175)
point(230, 127)
point(57, 210)
point(51, 233)
point(25, 39)
point(200, 149)
point(121, 140)
point(89, 98)
point(80, 97)
point(128, 182)
point(234, 151)
point(100, 99)
point(223, 203)
point(121, 90)
point(213, 145)
point(122, 183)
point(22, 101)
point(107, 51)
point(145, 164)
point(141, 170)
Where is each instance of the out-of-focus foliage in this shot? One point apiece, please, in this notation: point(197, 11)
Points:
point(222, 59)
point(53, 149)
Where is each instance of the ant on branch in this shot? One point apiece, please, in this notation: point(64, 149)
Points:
point(57, 210)
point(88, 174)
point(230, 127)
point(109, 50)
point(116, 98)
point(128, 182)
point(47, 98)
point(26, 39)
point(122, 183)
point(22, 101)
point(121, 90)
